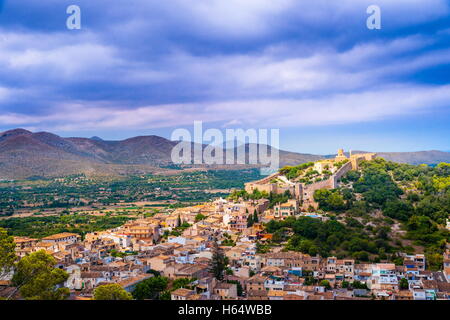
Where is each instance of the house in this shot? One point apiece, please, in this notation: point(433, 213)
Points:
point(292, 296)
point(24, 245)
point(226, 291)
point(62, 237)
point(288, 209)
point(185, 270)
point(235, 254)
point(122, 240)
point(447, 264)
point(255, 283)
point(414, 262)
point(91, 279)
point(130, 284)
point(196, 271)
point(403, 295)
point(276, 294)
point(383, 280)
point(419, 294)
point(159, 263)
point(205, 286)
point(182, 294)
point(172, 222)
point(274, 283)
point(257, 295)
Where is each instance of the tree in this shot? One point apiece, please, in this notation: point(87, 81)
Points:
point(179, 221)
point(249, 221)
point(111, 292)
point(358, 285)
point(218, 261)
point(255, 216)
point(403, 284)
point(353, 175)
point(166, 295)
point(154, 272)
point(7, 252)
point(199, 217)
point(398, 209)
point(326, 284)
point(329, 200)
point(181, 283)
point(38, 279)
point(150, 288)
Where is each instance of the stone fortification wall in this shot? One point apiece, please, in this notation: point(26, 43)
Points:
point(341, 172)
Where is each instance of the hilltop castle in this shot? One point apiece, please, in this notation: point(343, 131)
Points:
point(304, 193)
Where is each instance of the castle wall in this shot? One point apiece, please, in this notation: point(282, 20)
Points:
point(309, 189)
point(305, 192)
point(269, 187)
point(341, 172)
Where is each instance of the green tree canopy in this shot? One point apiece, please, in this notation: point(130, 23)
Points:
point(181, 283)
point(199, 217)
point(325, 283)
point(403, 284)
point(218, 261)
point(7, 252)
point(111, 291)
point(38, 279)
point(150, 288)
point(329, 200)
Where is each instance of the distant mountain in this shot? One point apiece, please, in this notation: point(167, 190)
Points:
point(24, 154)
point(420, 157)
point(416, 158)
point(96, 138)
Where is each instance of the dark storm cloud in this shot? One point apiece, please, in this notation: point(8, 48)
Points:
point(153, 63)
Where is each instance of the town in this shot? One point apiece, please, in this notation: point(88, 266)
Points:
point(223, 250)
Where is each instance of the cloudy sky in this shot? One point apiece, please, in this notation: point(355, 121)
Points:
point(310, 68)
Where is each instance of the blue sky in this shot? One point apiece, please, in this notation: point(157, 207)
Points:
point(310, 68)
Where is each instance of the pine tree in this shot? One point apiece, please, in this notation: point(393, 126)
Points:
point(250, 221)
point(255, 217)
point(218, 261)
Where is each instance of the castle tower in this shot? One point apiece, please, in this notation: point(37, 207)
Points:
point(340, 156)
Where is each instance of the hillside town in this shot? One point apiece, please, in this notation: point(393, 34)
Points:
point(181, 244)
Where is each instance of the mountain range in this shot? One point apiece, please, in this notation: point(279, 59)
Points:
point(26, 154)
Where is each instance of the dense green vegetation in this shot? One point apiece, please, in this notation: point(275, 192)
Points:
point(76, 191)
point(7, 253)
point(312, 236)
point(38, 279)
point(110, 292)
point(292, 172)
point(150, 288)
point(273, 198)
point(160, 288)
point(417, 197)
point(330, 200)
point(38, 227)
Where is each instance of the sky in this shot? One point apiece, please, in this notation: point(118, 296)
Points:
point(311, 69)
